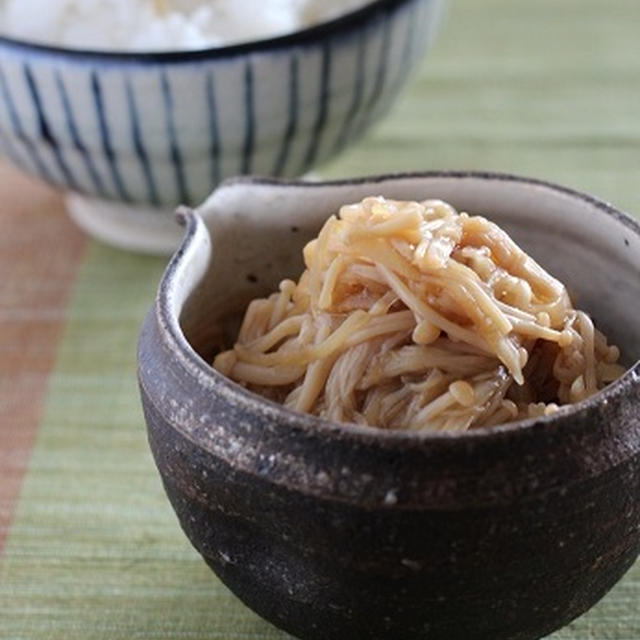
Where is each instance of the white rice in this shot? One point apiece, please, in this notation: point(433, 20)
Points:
point(160, 25)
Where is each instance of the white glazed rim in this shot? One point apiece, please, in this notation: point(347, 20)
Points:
point(216, 383)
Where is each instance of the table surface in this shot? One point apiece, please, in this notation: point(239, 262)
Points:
point(89, 546)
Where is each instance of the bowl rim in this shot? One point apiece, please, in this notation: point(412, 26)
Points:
point(171, 331)
point(342, 23)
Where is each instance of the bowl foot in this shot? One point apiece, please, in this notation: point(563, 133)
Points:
point(126, 226)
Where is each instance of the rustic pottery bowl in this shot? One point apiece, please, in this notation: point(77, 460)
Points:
point(134, 134)
point(337, 531)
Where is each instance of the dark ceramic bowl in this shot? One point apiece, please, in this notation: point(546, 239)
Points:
point(346, 532)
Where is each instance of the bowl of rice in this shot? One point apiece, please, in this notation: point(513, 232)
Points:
point(136, 108)
point(403, 406)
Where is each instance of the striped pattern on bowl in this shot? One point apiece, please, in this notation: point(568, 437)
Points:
point(164, 129)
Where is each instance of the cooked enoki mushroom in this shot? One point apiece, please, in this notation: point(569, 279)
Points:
point(411, 315)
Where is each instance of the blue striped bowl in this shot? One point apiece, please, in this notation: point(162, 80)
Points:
point(163, 129)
